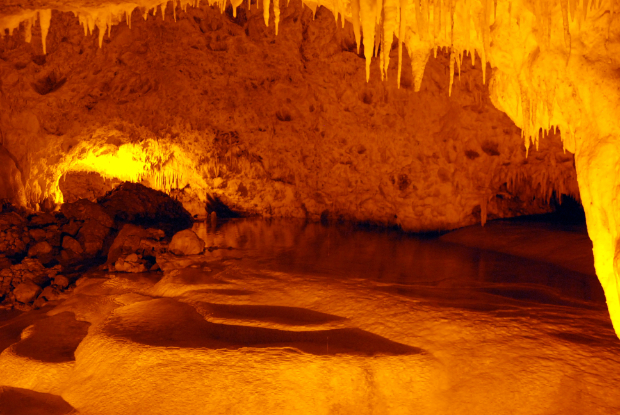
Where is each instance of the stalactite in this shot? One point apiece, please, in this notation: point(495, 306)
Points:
point(45, 17)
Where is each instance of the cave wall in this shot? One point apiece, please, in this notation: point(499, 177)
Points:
point(280, 125)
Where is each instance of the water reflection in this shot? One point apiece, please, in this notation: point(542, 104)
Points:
point(395, 258)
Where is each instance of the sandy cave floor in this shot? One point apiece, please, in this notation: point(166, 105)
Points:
point(307, 319)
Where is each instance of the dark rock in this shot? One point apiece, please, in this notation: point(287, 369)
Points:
point(4, 262)
point(14, 237)
point(71, 244)
point(93, 236)
point(39, 302)
point(186, 243)
point(29, 269)
point(10, 219)
point(53, 235)
point(50, 293)
point(140, 205)
point(84, 210)
point(69, 258)
point(40, 249)
point(61, 281)
point(72, 228)
point(26, 291)
point(38, 234)
point(132, 263)
point(134, 239)
point(91, 225)
point(41, 219)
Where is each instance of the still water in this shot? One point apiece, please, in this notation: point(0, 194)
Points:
point(285, 317)
point(424, 264)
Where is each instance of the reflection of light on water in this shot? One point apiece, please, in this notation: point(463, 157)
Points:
point(185, 343)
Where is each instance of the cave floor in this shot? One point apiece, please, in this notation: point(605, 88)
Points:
point(282, 317)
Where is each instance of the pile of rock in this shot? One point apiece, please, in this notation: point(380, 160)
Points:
point(31, 282)
point(36, 247)
point(135, 249)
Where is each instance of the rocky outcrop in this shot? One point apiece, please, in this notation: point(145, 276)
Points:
point(14, 237)
point(135, 249)
point(11, 183)
point(138, 204)
point(25, 281)
point(38, 245)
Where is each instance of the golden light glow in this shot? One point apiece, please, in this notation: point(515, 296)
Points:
point(161, 166)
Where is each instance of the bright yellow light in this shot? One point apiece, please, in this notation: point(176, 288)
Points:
point(127, 163)
point(161, 166)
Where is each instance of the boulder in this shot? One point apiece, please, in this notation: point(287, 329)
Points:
point(26, 291)
point(37, 234)
point(53, 235)
point(72, 228)
point(4, 262)
point(186, 243)
point(137, 204)
point(84, 210)
point(50, 293)
point(71, 244)
point(39, 249)
point(93, 236)
point(39, 302)
point(131, 263)
point(135, 239)
point(61, 281)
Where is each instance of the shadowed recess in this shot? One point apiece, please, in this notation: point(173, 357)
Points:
point(168, 323)
point(225, 291)
point(276, 314)
point(17, 401)
point(13, 324)
point(462, 298)
point(534, 294)
point(53, 339)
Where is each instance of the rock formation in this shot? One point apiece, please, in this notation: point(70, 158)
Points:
point(38, 247)
point(321, 112)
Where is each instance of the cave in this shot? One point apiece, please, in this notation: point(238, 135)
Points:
point(270, 207)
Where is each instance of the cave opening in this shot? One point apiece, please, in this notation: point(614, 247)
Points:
point(278, 207)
